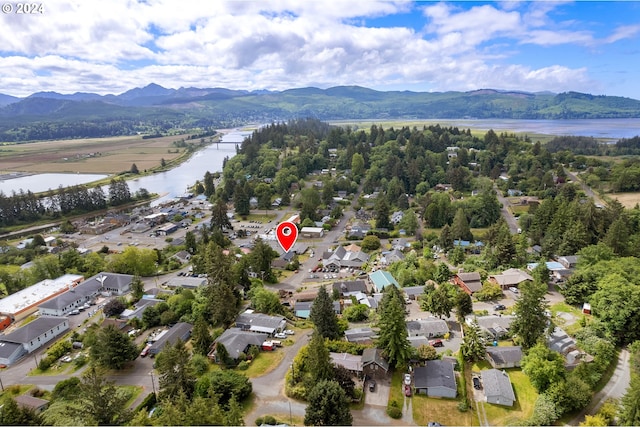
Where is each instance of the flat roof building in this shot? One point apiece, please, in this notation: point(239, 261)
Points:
point(26, 301)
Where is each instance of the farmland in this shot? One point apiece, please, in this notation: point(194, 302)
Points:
point(96, 155)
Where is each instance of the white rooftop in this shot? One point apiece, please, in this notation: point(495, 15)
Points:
point(34, 294)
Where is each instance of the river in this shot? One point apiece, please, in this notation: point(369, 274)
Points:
point(169, 184)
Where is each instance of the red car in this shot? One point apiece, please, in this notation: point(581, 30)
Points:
point(436, 343)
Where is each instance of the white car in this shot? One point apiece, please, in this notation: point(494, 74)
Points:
point(280, 335)
point(514, 290)
point(289, 332)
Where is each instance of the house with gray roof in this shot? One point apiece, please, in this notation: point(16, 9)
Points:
point(497, 387)
point(186, 282)
point(346, 288)
point(33, 403)
point(430, 327)
point(359, 335)
point(302, 309)
point(436, 378)
point(413, 292)
point(468, 282)
point(236, 342)
point(260, 322)
point(352, 363)
point(504, 357)
point(179, 331)
point(140, 307)
point(373, 364)
point(31, 337)
point(493, 327)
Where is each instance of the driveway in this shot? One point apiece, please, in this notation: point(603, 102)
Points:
point(379, 397)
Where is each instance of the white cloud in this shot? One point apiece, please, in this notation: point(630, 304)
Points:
point(91, 45)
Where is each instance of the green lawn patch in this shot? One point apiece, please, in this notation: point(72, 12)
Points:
point(264, 363)
point(444, 411)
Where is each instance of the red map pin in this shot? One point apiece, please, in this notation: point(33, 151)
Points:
point(287, 234)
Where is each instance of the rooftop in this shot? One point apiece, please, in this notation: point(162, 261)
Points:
point(27, 297)
point(34, 329)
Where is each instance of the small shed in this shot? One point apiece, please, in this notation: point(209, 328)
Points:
point(586, 308)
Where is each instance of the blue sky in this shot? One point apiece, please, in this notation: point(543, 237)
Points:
point(110, 47)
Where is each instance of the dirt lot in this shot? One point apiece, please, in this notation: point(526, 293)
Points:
point(98, 155)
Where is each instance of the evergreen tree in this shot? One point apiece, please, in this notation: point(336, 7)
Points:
point(318, 359)
point(209, 188)
point(460, 228)
point(446, 238)
point(530, 310)
point(137, 288)
point(219, 219)
point(392, 338)
point(328, 406)
point(174, 371)
point(463, 305)
point(100, 403)
point(472, 348)
point(241, 201)
point(201, 339)
point(113, 348)
point(630, 411)
point(382, 213)
point(323, 316)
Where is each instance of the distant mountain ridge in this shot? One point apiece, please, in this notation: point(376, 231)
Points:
point(156, 108)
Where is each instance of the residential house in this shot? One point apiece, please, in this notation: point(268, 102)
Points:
point(512, 277)
point(413, 292)
point(493, 327)
point(569, 261)
point(382, 278)
point(35, 404)
point(504, 357)
point(359, 231)
point(182, 256)
point(353, 363)
point(179, 331)
point(140, 307)
point(396, 217)
point(497, 387)
point(389, 257)
point(360, 335)
point(373, 364)
point(115, 283)
point(260, 322)
point(302, 309)
point(468, 282)
point(435, 379)
point(400, 245)
point(347, 288)
point(236, 342)
point(431, 327)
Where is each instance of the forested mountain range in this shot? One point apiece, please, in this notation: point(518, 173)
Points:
point(152, 109)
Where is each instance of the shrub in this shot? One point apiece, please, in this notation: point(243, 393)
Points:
point(393, 410)
point(463, 405)
point(259, 421)
point(243, 366)
point(269, 420)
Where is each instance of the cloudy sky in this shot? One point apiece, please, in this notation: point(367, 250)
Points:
point(112, 46)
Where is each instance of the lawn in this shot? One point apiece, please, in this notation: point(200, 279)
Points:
point(264, 363)
point(444, 411)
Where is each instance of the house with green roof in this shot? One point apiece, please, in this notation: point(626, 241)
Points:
point(382, 278)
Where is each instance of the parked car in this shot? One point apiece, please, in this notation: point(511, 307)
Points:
point(289, 332)
point(514, 290)
point(145, 351)
point(281, 335)
point(499, 307)
point(476, 383)
point(372, 385)
point(436, 343)
point(407, 379)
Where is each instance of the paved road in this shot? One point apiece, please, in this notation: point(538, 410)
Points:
point(615, 388)
point(587, 190)
point(506, 213)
